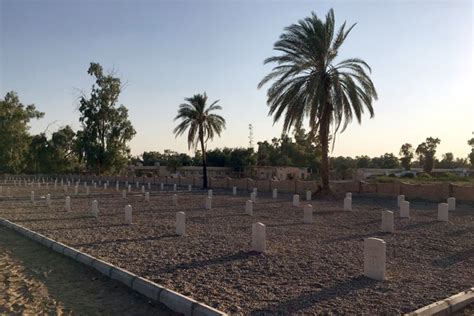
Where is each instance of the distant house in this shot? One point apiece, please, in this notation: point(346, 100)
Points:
point(364, 173)
point(276, 173)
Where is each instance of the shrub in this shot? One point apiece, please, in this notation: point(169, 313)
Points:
point(409, 175)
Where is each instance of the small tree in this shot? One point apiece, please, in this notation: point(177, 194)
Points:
point(426, 152)
point(406, 151)
point(471, 155)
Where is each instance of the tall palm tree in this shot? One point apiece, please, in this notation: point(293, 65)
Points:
point(201, 124)
point(308, 83)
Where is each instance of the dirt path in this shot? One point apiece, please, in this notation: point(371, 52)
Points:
point(35, 280)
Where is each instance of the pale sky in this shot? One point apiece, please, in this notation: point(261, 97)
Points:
point(421, 53)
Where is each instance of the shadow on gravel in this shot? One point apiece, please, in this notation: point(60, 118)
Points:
point(123, 240)
point(51, 219)
point(81, 227)
point(357, 236)
point(241, 255)
point(418, 225)
point(305, 301)
point(453, 259)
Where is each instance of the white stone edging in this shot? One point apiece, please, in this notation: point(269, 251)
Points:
point(173, 300)
point(447, 306)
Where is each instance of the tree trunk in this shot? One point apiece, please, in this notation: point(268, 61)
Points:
point(204, 163)
point(324, 138)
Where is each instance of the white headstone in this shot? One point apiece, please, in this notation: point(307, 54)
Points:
point(374, 258)
point(190, 187)
point(95, 185)
point(348, 195)
point(124, 194)
point(234, 191)
point(180, 223)
point(87, 191)
point(76, 190)
point(149, 185)
point(68, 203)
point(137, 184)
point(405, 209)
point(143, 189)
point(275, 193)
point(129, 188)
point(347, 204)
point(249, 207)
point(400, 199)
point(451, 203)
point(296, 200)
point(117, 187)
point(95, 208)
point(33, 197)
point(443, 213)
point(259, 242)
point(308, 195)
point(255, 191)
point(308, 214)
point(174, 187)
point(147, 196)
point(175, 199)
point(128, 214)
point(209, 193)
point(253, 197)
point(387, 222)
point(162, 186)
point(208, 202)
point(48, 200)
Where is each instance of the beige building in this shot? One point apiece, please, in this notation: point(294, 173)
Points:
point(276, 173)
point(196, 171)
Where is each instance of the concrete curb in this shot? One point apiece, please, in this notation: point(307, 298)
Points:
point(447, 306)
point(173, 300)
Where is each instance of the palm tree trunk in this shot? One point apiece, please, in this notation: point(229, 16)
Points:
point(204, 163)
point(324, 137)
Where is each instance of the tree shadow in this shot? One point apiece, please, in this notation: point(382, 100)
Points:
point(294, 305)
point(453, 259)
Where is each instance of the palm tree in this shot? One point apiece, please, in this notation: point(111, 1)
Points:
point(310, 84)
point(201, 124)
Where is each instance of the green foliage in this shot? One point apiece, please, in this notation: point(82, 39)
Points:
point(409, 175)
point(106, 129)
point(426, 152)
point(471, 154)
point(201, 123)
point(14, 140)
point(303, 151)
point(55, 155)
point(308, 83)
point(406, 151)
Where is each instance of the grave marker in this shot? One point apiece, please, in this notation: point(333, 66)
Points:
point(374, 258)
point(259, 243)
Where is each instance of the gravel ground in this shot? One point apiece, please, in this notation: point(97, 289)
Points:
point(309, 268)
point(37, 281)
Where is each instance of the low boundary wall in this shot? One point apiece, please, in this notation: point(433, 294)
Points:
point(173, 300)
point(432, 191)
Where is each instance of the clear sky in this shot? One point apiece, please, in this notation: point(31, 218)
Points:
point(421, 53)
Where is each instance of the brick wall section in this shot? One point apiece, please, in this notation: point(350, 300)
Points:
point(431, 192)
point(463, 193)
point(391, 189)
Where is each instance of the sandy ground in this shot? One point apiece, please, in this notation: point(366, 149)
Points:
point(308, 269)
point(35, 280)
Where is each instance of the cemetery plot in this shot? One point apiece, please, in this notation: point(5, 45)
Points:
point(302, 265)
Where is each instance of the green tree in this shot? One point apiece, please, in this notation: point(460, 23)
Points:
point(309, 83)
point(471, 154)
point(406, 151)
point(201, 123)
point(106, 129)
point(426, 152)
point(14, 137)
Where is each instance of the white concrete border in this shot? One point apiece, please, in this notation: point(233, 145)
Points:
point(173, 300)
point(447, 306)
